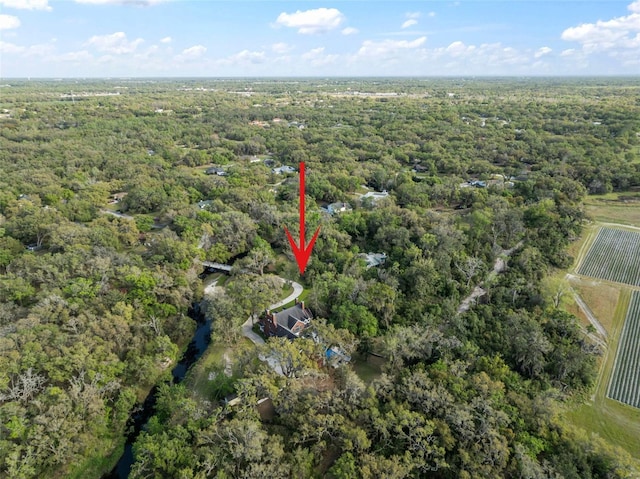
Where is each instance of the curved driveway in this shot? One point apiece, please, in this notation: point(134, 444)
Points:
point(248, 325)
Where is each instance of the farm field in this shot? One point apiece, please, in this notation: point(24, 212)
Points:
point(614, 256)
point(614, 207)
point(625, 380)
point(611, 419)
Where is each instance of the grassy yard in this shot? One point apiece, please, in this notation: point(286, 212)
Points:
point(287, 289)
point(621, 208)
point(618, 423)
point(601, 299)
point(212, 278)
point(367, 369)
point(112, 206)
point(198, 377)
point(572, 307)
point(214, 359)
point(302, 297)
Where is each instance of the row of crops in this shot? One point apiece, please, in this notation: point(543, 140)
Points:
point(614, 256)
point(625, 380)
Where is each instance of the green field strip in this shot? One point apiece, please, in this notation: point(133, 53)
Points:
point(614, 255)
point(625, 380)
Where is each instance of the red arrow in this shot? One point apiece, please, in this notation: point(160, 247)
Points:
point(302, 252)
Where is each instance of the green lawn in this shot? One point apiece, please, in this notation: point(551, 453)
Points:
point(615, 422)
point(287, 289)
point(621, 208)
point(367, 369)
point(198, 377)
point(302, 297)
point(213, 278)
point(601, 298)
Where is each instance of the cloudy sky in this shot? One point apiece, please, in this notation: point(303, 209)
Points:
point(103, 38)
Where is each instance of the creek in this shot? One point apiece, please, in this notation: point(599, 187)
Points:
point(143, 412)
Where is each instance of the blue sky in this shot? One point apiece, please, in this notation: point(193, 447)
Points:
point(103, 38)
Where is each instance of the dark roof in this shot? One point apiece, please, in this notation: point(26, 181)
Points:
point(289, 318)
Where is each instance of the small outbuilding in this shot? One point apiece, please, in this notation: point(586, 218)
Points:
point(340, 207)
point(374, 259)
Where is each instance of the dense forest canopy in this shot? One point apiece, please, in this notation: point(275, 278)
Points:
point(106, 210)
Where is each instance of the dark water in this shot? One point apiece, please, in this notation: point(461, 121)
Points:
point(142, 413)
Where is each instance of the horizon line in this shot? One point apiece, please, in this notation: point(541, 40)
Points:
point(274, 77)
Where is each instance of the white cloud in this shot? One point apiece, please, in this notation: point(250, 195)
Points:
point(281, 47)
point(246, 57)
point(389, 47)
point(319, 20)
point(138, 3)
point(568, 52)
point(7, 22)
point(116, 43)
point(37, 50)
point(26, 4)
point(148, 53)
point(459, 49)
point(283, 59)
point(482, 58)
point(166, 40)
point(40, 50)
point(6, 47)
point(317, 57)
point(81, 56)
point(349, 31)
point(432, 14)
point(192, 53)
point(608, 35)
point(542, 51)
point(413, 14)
point(408, 33)
point(409, 23)
point(314, 52)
